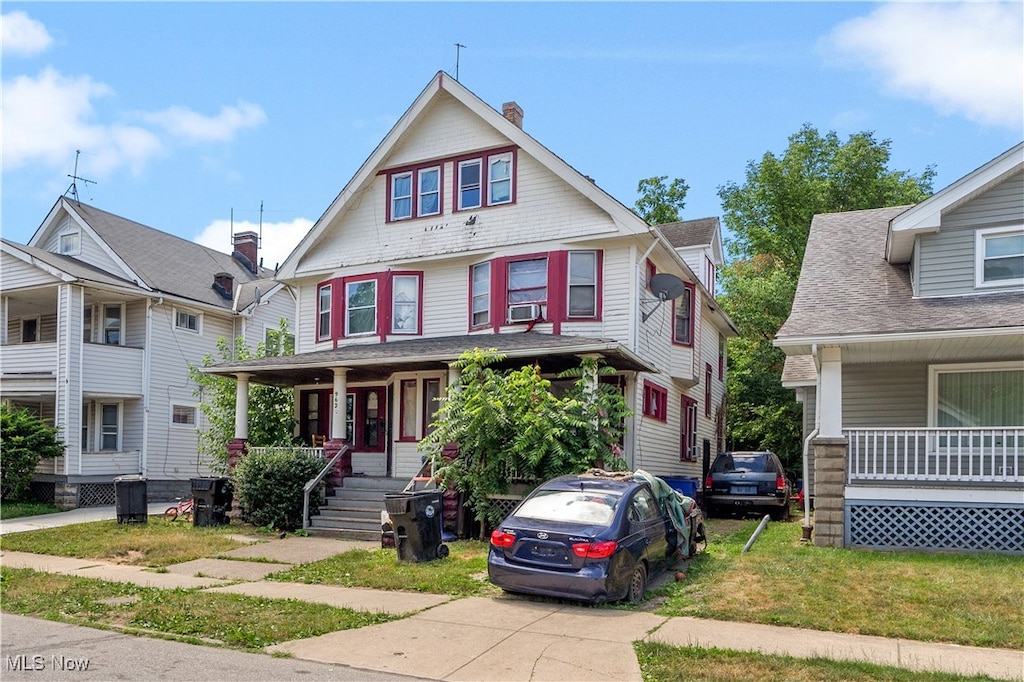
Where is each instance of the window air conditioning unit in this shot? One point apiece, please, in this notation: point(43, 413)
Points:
point(526, 312)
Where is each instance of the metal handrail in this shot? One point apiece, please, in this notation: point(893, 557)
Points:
point(315, 481)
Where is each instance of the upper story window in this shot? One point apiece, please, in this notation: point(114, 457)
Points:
point(710, 274)
point(87, 324)
point(682, 316)
point(361, 307)
point(655, 401)
point(70, 244)
point(488, 180)
point(186, 321)
point(29, 329)
point(707, 389)
point(113, 324)
point(583, 284)
point(528, 281)
point(405, 304)
point(110, 426)
point(480, 295)
point(323, 312)
point(414, 192)
point(999, 259)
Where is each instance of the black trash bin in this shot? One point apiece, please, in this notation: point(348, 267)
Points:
point(416, 519)
point(212, 501)
point(132, 503)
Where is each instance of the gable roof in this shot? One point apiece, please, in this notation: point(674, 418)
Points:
point(162, 262)
point(687, 233)
point(927, 215)
point(65, 267)
point(848, 288)
point(623, 217)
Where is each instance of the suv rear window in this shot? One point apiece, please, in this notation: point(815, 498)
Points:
point(755, 463)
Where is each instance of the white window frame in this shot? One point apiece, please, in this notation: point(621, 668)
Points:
point(570, 286)
point(395, 197)
point(101, 432)
point(505, 157)
point(979, 256)
point(323, 313)
point(415, 303)
point(460, 188)
point(175, 407)
point(70, 243)
point(103, 323)
point(39, 328)
point(484, 295)
point(188, 314)
point(973, 367)
point(420, 194)
point(348, 308)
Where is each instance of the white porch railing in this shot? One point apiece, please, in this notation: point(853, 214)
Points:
point(316, 452)
point(968, 455)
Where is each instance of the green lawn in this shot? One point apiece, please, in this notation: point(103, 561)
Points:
point(17, 510)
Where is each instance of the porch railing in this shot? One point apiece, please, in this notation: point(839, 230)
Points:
point(939, 454)
point(316, 452)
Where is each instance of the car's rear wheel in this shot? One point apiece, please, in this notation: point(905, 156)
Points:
point(637, 584)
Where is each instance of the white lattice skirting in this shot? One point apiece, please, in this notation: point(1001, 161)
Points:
point(932, 527)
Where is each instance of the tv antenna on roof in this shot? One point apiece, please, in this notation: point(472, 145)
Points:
point(73, 189)
point(666, 287)
point(458, 49)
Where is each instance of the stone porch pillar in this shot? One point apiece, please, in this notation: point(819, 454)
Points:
point(830, 466)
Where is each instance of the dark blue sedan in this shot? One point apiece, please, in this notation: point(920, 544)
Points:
point(589, 538)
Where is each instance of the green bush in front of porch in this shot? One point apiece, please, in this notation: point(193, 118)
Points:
point(25, 439)
point(269, 486)
point(510, 428)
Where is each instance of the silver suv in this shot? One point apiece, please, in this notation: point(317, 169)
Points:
point(747, 482)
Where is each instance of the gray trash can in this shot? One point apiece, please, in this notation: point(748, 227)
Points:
point(213, 497)
point(131, 497)
point(416, 518)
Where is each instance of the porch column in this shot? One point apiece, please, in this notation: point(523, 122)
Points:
point(242, 406)
point(338, 403)
point(334, 444)
point(830, 392)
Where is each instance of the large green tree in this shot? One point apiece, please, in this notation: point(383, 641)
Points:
point(769, 217)
point(661, 202)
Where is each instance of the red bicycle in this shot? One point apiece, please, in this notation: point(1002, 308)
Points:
point(183, 510)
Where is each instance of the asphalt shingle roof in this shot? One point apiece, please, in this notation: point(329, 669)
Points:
point(847, 287)
point(690, 232)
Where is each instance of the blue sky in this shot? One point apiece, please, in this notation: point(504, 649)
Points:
point(186, 111)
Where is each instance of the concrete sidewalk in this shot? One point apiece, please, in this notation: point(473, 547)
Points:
point(506, 638)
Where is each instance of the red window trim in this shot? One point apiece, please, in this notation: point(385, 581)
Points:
point(415, 182)
point(339, 298)
point(485, 193)
point(707, 389)
point(693, 314)
point(402, 437)
point(655, 401)
point(687, 429)
point(652, 270)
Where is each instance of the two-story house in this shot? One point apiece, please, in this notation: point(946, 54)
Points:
point(462, 231)
point(906, 346)
point(100, 317)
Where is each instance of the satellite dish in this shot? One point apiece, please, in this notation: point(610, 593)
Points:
point(666, 287)
point(257, 297)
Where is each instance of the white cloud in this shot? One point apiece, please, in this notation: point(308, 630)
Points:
point(961, 58)
point(278, 238)
point(192, 126)
point(22, 36)
point(45, 119)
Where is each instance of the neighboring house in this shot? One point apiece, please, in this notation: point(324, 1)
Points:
point(462, 231)
point(101, 317)
point(906, 347)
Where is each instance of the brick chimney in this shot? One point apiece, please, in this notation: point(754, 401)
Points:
point(514, 113)
point(246, 246)
point(224, 285)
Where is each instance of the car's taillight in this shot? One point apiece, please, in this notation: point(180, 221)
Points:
point(780, 484)
point(707, 482)
point(594, 550)
point(500, 538)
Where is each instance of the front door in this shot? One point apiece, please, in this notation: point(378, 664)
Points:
point(365, 413)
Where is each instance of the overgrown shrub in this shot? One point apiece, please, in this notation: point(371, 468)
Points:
point(268, 486)
point(25, 439)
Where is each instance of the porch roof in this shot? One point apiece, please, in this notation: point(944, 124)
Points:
point(377, 361)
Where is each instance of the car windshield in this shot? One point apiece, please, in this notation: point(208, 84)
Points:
point(753, 463)
point(589, 507)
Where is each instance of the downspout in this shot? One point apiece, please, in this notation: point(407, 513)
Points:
point(146, 388)
point(807, 445)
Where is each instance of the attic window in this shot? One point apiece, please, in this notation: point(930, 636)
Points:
point(70, 244)
point(414, 192)
point(1000, 257)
